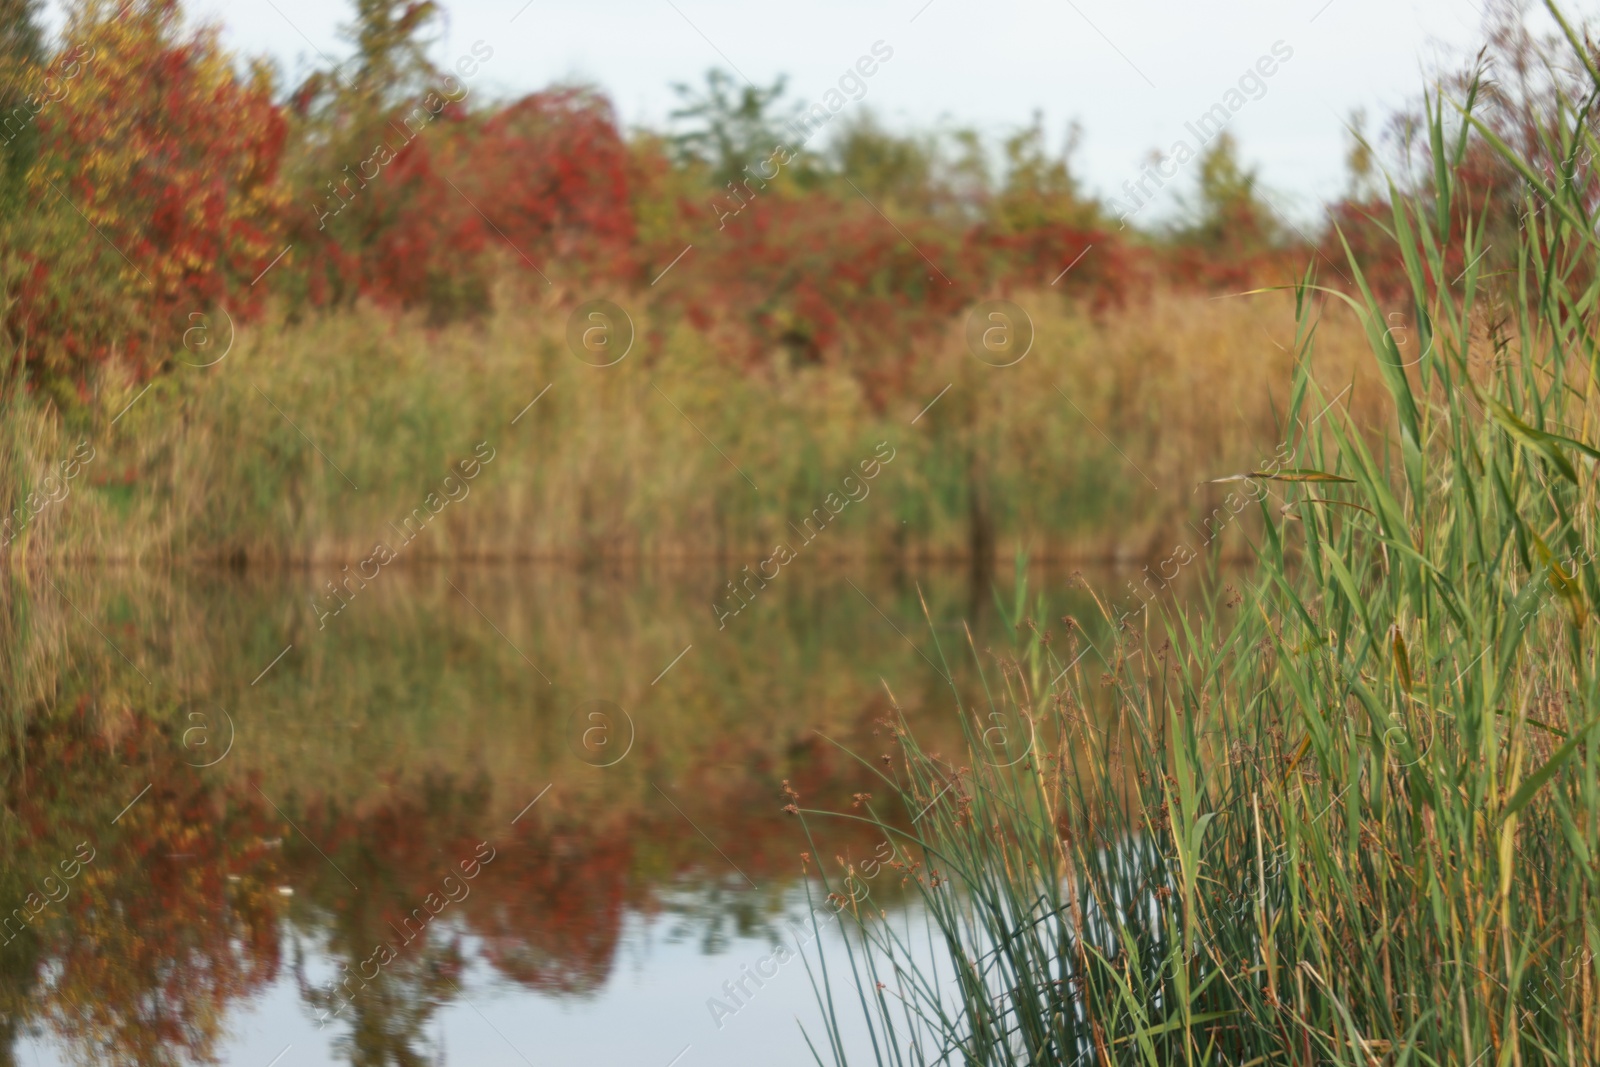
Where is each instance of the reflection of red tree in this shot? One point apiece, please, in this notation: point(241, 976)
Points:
point(397, 849)
point(172, 921)
point(404, 851)
point(178, 915)
point(551, 911)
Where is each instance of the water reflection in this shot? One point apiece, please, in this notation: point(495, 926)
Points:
point(376, 835)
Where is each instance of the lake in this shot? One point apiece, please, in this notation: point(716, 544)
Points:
point(477, 814)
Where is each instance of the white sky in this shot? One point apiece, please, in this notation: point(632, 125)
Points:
point(986, 63)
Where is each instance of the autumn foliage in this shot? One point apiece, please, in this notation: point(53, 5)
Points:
point(162, 182)
point(153, 193)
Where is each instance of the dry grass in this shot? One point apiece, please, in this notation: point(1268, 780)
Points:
point(1091, 447)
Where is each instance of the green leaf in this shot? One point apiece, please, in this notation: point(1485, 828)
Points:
point(1545, 444)
point(1537, 780)
point(1564, 585)
point(1292, 474)
point(1402, 661)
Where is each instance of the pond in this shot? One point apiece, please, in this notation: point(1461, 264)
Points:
point(478, 814)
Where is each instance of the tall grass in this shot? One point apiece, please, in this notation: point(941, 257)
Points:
point(1349, 816)
point(249, 457)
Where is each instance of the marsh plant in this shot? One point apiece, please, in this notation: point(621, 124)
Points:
point(1348, 815)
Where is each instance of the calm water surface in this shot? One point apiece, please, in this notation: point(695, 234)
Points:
point(479, 816)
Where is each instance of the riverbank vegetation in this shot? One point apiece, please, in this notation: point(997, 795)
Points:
point(1347, 812)
point(1095, 445)
point(345, 282)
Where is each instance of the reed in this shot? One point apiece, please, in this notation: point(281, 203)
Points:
point(1347, 815)
point(310, 438)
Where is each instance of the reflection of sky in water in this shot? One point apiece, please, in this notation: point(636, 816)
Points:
point(650, 1008)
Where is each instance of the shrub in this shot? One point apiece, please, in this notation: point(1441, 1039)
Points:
point(153, 192)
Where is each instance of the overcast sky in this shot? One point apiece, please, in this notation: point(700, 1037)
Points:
point(1132, 72)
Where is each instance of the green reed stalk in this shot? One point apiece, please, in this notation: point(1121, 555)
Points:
point(1351, 817)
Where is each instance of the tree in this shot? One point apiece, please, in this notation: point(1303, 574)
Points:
point(1040, 188)
point(391, 61)
point(1225, 215)
point(1360, 162)
point(152, 198)
point(390, 66)
point(370, 200)
point(21, 57)
point(888, 168)
point(734, 128)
